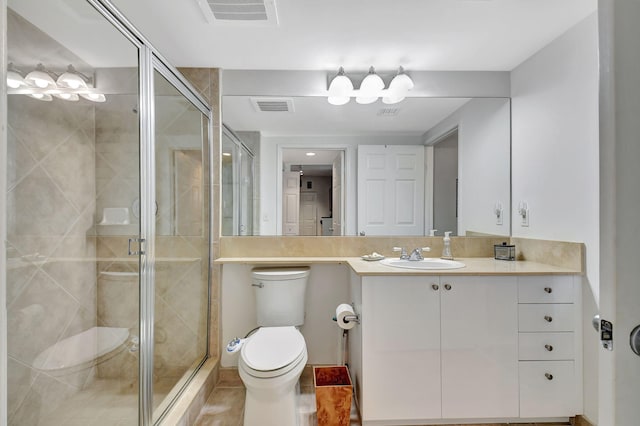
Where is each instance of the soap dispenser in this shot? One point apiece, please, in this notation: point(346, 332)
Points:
point(446, 249)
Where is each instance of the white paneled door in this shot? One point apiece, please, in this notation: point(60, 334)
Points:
point(390, 190)
point(290, 203)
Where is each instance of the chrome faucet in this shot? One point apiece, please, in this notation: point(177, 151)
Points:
point(415, 255)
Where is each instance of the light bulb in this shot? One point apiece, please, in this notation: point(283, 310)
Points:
point(40, 78)
point(14, 79)
point(340, 86)
point(338, 100)
point(94, 97)
point(370, 88)
point(41, 96)
point(398, 88)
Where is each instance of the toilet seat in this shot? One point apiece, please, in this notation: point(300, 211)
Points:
point(273, 351)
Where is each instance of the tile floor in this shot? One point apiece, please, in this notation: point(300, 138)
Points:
point(225, 405)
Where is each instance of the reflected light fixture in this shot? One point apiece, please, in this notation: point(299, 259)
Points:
point(93, 97)
point(370, 88)
point(72, 79)
point(340, 89)
point(41, 78)
point(310, 154)
point(15, 79)
point(41, 96)
point(43, 84)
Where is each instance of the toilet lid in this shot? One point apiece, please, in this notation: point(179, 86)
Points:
point(272, 348)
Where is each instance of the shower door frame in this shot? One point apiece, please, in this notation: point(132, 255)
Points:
point(151, 60)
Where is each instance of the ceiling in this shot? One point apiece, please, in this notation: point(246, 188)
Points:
point(323, 35)
point(474, 35)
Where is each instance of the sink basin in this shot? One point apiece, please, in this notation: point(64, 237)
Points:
point(426, 264)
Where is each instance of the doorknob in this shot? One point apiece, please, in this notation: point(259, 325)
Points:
point(634, 340)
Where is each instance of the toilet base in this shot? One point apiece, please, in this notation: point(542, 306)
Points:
point(272, 401)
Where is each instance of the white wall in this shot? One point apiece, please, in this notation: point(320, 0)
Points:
point(328, 287)
point(619, 205)
point(483, 163)
point(269, 172)
point(555, 160)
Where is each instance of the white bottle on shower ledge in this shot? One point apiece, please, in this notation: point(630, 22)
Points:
point(446, 249)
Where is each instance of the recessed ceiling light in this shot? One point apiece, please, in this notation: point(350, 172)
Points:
point(310, 154)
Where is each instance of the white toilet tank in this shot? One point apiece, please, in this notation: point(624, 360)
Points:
point(280, 295)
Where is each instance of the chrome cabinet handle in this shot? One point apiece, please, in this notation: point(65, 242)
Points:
point(549, 376)
point(435, 287)
point(547, 318)
point(548, 347)
point(447, 287)
point(548, 290)
point(259, 285)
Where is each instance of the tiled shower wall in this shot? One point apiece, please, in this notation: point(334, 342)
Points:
point(51, 274)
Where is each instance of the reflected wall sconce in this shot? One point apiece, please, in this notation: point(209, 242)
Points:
point(44, 85)
point(372, 87)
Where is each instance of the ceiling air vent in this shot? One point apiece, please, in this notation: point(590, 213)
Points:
point(240, 12)
point(272, 104)
point(388, 112)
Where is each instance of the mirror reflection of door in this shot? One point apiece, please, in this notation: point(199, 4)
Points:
point(337, 196)
point(313, 205)
point(290, 203)
point(445, 184)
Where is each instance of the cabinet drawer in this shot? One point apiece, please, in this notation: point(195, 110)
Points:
point(545, 289)
point(545, 346)
point(547, 388)
point(545, 317)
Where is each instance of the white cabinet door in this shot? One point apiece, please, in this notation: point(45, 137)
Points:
point(479, 347)
point(400, 348)
point(390, 190)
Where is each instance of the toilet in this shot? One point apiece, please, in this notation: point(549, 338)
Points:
point(272, 359)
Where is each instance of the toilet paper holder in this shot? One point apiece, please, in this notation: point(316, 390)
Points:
point(349, 318)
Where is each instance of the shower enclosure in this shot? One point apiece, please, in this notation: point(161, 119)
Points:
point(237, 177)
point(108, 220)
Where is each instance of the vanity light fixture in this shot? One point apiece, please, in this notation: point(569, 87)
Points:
point(93, 97)
point(371, 88)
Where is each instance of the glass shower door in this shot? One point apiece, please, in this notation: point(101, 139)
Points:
point(181, 243)
point(73, 175)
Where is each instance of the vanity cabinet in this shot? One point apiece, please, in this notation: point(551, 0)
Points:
point(548, 318)
point(438, 347)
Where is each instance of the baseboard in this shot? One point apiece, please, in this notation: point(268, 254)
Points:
point(581, 421)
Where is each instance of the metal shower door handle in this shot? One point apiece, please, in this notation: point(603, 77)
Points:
point(139, 251)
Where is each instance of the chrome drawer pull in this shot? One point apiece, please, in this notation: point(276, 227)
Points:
point(547, 318)
point(548, 347)
point(549, 376)
point(435, 287)
point(548, 290)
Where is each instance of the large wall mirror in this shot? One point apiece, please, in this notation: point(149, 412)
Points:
point(318, 168)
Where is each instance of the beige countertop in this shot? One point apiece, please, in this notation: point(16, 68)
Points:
point(474, 266)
